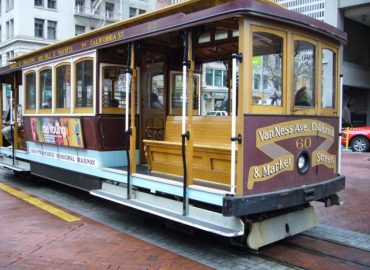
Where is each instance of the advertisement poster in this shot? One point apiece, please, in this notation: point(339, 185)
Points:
point(60, 131)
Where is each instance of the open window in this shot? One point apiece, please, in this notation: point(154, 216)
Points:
point(176, 93)
point(113, 85)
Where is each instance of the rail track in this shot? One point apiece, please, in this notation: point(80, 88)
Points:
point(312, 253)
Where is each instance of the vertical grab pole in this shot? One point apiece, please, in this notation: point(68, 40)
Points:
point(340, 124)
point(235, 59)
point(184, 134)
point(127, 119)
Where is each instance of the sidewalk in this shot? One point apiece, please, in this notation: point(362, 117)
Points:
point(34, 239)
point(354, 214)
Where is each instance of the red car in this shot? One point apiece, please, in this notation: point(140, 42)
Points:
point(358, 138)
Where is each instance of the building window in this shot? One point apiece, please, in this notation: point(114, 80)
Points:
point(52, 30)
point(132, 12)
point(84, 84)
point(30, 91)
point(109, 8)
point(52, 4)
point(45, 88)
point(39, 3)
point(10, 29)
point(39, 28)
point(63, 86)
point(79, 29)
point(135, 11)
point(9, 4)
point(216, 77)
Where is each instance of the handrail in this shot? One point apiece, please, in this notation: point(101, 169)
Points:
point(127, 118)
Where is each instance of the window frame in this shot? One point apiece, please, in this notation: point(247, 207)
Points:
point(55, 94)
point(55, 29)
point(302, 110)
point(38, 91)
point(107, 110)
point(334, 110)
point(83, 110)
point(268, 109)
point(43, 26)
point(178, 111)
point(27, 72)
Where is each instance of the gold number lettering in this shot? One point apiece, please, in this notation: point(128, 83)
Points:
point(303, 143)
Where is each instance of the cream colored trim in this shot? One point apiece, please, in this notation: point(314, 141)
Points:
point(85, 109)
point(25, 73)
point(38, 97)
point(102, 66)
point(268, 109)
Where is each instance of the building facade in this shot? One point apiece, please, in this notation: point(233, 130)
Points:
point(352, 16)
point(29, 25)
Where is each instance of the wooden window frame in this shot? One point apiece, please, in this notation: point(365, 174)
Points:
point(62, 110)
point(38, 92)
point(84, 110)
point(30, 111)
point(108, 110)
point(335, 110)
point(268, 109)
point(301, 110)
point(178, 111)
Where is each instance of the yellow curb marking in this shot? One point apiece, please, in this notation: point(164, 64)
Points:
point(40, 204)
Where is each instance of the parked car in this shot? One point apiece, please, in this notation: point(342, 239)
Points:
point(358, 138)
point(217, 113)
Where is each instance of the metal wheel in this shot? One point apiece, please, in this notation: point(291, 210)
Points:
point(359, 144)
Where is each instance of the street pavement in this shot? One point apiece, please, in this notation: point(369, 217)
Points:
point(143, 240)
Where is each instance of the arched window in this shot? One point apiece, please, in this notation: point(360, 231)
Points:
point(45, 86)
point(84, 74)
point(30, 91)
point(63, 86)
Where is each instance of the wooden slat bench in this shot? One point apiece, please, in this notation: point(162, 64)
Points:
point(211, 151)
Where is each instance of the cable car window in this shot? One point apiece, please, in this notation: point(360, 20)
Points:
point(328, 79)
point(114, 83)
point(304, 74)
point(46, 89)
point(156, 91)
point(84, 84)
point(176, 94)
point(30, 91)
point(268, 66)
point(63, 84)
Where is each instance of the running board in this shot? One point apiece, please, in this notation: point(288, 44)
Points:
point(198, 218)
point(19, 166)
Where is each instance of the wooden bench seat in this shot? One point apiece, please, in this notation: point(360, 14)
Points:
point(211, 149)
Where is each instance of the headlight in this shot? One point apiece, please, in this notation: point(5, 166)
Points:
point(303, 162)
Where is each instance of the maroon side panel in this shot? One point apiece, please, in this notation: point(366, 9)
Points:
point(272, 145)
point(101, 133)
point(90, 131)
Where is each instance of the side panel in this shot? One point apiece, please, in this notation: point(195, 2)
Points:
point(272, 145)
point(100, 133)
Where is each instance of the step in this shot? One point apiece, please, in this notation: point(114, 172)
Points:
point(19, 166)
point(224, 226)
